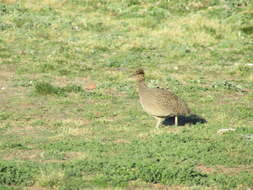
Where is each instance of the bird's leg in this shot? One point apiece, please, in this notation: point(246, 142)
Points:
point(176, 120)
point(159, 121)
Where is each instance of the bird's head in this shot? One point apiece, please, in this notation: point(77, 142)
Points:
point(138, 75)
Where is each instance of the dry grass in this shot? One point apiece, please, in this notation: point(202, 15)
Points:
point(194, 29)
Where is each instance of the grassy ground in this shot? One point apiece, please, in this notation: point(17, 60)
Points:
point(70, 117)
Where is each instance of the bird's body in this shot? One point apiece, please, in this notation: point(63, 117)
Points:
point(159, 103)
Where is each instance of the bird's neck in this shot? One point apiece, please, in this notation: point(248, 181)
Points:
point(141, 84)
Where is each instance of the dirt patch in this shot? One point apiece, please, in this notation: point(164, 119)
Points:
point(163, 187)
point(205, 169)
point(119, 141)
point(74, 155)
point(35, 187)
point(25, 130)
point(85, 83)
point(33, 155)
point(91, 86)
point(235, 170)
point(75, 121)
point(139, 185)
point(5, 74)
point(223, 169)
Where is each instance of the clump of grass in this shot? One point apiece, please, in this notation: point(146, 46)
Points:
point(248, 30)
point(11, 145)
point(4, 116)
point(51, 180)
point(73, 88)
point(45, 88)
point(15, 174)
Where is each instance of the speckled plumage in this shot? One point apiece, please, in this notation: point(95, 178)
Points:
point(159, 102)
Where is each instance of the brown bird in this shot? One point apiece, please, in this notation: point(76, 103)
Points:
point(159, 103)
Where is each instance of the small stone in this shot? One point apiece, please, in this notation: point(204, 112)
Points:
point(91, 86)
point(222, 131)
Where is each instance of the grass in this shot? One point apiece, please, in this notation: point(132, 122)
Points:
point(70, 117)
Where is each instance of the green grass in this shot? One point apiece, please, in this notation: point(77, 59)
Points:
point(70, 117)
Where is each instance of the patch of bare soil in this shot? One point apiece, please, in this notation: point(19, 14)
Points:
point(163, 187)
point(5, 90)
point(33, 155)
point(119, 141)
point(74, 155)
point(225, 170)
point(35, 187)
point(26, 130)
point(135, 185)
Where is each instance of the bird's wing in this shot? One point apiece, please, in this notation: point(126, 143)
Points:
point(169, 102)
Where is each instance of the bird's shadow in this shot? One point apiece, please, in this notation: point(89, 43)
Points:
point(183, 120)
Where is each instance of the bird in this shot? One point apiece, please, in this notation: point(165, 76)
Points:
point(158, 102)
